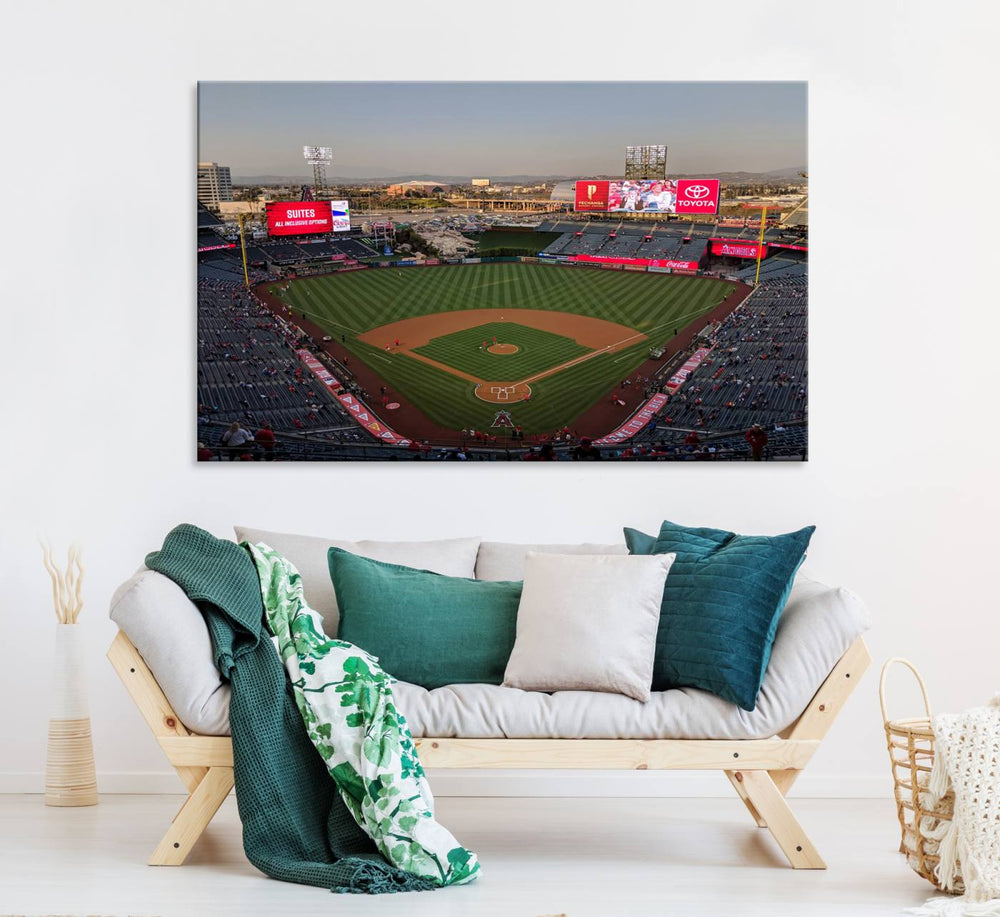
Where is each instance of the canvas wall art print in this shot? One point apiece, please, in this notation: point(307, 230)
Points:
point(502, 272)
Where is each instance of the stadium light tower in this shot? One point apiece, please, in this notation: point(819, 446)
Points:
point(319, 157)
point(647, 161)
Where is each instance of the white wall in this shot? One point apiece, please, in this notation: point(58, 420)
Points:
point(902, 484)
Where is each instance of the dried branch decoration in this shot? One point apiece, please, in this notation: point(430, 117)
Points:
point(67, 586)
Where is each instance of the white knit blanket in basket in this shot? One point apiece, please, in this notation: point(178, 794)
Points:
point(967, 760)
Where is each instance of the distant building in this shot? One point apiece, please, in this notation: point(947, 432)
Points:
point(480, 183)
point(421, 187)
point(214, 184)
point(564, 192)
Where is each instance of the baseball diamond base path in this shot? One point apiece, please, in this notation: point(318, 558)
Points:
point(600, 335)
point(408, 420)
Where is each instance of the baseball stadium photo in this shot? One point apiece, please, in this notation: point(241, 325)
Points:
point(606, 303)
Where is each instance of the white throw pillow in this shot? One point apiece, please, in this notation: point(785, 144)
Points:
point(588, 623)
point(449, 557)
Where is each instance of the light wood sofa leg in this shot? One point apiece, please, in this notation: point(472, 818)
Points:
point(736, 779)
point(766, 798)
point(784, 780)
point(193, 817)
point(816, 720)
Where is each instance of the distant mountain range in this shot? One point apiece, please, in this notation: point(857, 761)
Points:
point(523, 179)
point(794, 173)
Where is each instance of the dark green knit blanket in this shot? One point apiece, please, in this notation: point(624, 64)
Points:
point(295, 825)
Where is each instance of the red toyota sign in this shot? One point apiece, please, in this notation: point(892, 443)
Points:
point(697, 195)
point(592, 195)
point(294, 218)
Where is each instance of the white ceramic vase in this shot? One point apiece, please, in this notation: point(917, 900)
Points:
point(70, 777)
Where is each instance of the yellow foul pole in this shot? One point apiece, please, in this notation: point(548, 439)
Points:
point(760, 244)
point(243, 249)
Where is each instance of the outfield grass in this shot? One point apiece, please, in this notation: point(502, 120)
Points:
point(357, 301)
point(539, 350)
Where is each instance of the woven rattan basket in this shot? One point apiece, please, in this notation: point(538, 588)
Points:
point(911, 756)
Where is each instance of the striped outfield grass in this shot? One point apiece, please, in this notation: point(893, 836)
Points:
point(539, 350)
point(353, 302)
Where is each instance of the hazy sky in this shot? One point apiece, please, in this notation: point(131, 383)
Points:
point(484, 129)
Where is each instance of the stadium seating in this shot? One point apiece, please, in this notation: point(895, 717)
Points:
point(757, 372)
point(624, 245)
point(206, 218)
point(785, 442)
point(772, 269)
point(209, 238)
point(353, 248)
point(283, 252)
point(315, 250)
point(631, 242)
point(291, 253)
point(256, 255)
point(248, 371)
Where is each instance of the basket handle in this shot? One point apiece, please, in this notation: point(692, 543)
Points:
point(881, 685)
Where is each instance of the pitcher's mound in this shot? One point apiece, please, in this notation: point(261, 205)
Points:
point(503, 348)
point(498, 393)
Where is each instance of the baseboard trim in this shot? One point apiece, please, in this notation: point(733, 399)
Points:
point(616, 784)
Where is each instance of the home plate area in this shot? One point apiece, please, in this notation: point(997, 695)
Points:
point(498, 393)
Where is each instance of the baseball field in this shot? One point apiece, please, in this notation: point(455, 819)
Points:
point(459, 343)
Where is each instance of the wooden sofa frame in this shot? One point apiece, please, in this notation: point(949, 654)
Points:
point(760, 770)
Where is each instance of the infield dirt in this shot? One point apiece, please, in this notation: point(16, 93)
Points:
point(422, 329)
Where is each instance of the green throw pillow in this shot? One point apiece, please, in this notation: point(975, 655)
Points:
point(425, 628)
point(721, 605)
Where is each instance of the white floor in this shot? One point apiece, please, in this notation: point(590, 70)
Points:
point(578, 857)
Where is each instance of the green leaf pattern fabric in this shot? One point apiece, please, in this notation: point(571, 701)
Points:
point(346, 703)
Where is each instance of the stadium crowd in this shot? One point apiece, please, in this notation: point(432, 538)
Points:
point(251, 383)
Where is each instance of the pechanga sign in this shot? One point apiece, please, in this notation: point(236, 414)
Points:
point(592, 195)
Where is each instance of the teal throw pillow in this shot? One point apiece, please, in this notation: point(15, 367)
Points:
point(425, 628)
point(721, 604)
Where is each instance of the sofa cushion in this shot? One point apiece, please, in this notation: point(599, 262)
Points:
point(818, 626)
point(170, 633)
point(721, 606)
point(450, 557)
point(425, 628)
point(588, 623)
point(505, 561)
